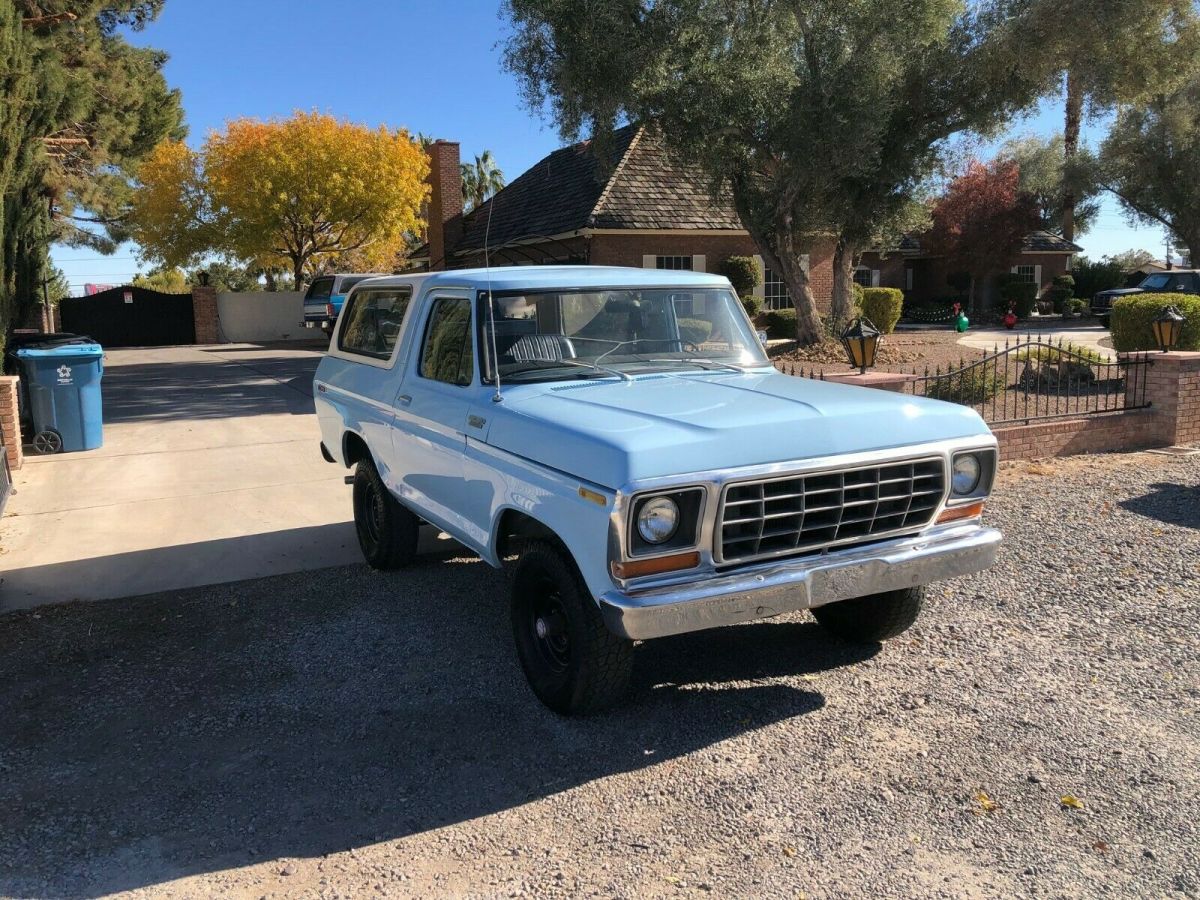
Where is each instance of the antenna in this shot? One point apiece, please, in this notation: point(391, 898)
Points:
point(491, 303)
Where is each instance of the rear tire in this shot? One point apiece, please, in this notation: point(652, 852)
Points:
point(574, 664)
point(874, 618)
point(387, 530)
point(1104, 320)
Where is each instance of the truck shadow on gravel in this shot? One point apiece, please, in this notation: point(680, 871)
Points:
point(1172, 504)
point(158, 737)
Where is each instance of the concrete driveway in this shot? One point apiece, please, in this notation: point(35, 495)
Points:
point(210, 472)
point(1088, 337)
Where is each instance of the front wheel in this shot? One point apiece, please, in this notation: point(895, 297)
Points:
point(1104, 320)
point(873, 618)
point(387, 530)
point(572, 661)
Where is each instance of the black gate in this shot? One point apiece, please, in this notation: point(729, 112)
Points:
point(131, 317)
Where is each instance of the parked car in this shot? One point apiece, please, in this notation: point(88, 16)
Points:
point(324, 298)
point(1183, 281)
point(622, 434)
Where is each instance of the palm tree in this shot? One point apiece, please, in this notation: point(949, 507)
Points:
point(481, 179)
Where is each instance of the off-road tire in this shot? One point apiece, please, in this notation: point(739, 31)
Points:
point(387, 530)
point(577, 666)
point(874, 618)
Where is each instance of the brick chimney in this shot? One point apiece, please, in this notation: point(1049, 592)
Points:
point(445, 201)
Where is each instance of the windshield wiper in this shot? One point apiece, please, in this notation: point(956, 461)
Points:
point(711, 365)
point(545, 364)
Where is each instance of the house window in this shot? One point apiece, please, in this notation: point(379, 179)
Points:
point(1026, 274)
point(674, 263)
point(862, 275)
point(775, 292)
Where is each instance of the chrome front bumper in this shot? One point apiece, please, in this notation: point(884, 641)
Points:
point(770, 589)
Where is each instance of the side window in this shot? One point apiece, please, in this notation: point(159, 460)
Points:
point(320, 289)
point(372, 319)
point(446, 353)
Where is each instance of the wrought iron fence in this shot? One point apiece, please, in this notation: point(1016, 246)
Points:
point(1036, 379)
point(1028, 380)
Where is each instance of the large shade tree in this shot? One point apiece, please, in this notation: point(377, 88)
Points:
point(301, 190)
point(818, 119)
point(1151, 162)
point(1116, 51)
point(1046, 176)
point(79, 109)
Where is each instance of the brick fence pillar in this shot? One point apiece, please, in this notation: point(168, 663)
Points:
point(10, 420)
point(1173, 391)
point(204, 312)
point(884, 381)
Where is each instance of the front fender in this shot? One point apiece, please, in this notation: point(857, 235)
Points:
point(580, 521)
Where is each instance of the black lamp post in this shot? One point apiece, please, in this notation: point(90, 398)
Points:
point(861, 341)
point(1167, 328)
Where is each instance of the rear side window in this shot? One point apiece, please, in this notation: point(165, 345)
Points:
point(446, 353)
point(345, 284)
point(320, 289)
point(372, 319)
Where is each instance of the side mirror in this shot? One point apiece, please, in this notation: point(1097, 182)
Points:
point(762, 338)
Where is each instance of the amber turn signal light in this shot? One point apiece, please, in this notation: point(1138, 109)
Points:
point(638, 567)
point(970, 511)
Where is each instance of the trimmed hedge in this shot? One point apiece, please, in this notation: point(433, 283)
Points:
point(780, 323)
point(1022, 294)
point(882, 305)
point(1131, 318)
point(751, 304)
point(742, 272)
point(695, 330)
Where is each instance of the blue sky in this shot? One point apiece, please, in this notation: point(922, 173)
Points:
point(428, 65)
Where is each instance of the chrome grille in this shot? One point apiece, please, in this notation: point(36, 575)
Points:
point(797, 513)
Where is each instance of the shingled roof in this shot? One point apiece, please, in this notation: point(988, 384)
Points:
point(638, 186)
point(1035, 242)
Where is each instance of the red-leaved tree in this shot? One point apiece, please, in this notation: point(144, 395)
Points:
point(982, 220)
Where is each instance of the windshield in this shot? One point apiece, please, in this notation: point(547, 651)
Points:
point(580, 334)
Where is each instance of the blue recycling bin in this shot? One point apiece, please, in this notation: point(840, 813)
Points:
point(62, 381)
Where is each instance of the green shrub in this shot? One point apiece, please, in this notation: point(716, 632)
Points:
point(882, 306)
point(1061, 293)
point(695, 330)
point(1022, 294)
point(780, 323)
point(961, 282)
point(971, 386)
point(750, 302)
point(1064, 281)
point(1091, 277)
point(1131, 318)
point(742, 272)
point(859, 293)
point(1079, 306)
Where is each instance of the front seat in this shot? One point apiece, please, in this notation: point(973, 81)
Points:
point(542, 348)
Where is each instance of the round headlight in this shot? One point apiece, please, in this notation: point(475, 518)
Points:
point(657, 520)
point(965, 477)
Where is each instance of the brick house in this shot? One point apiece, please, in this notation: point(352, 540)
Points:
point(922, 276)
point(640, 207)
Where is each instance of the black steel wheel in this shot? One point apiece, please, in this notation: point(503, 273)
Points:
point(874, 618)
point(47, 442)
point(573, 663)
point(387, 530)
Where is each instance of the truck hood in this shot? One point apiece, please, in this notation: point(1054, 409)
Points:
point(615, 433)
point(1120, 292)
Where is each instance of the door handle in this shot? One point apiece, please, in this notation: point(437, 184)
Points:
point(404, 399)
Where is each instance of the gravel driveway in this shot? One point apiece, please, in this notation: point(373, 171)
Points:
point(349, 733)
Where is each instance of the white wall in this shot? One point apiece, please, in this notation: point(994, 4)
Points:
point(263, 316)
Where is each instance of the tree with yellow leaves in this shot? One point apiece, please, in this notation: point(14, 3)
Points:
point(300, 190)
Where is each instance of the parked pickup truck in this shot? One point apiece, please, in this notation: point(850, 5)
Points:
point(324, 298)
point(622, 434)
point(1183, 281)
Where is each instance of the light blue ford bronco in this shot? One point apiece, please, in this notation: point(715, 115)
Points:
point(622, 434)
